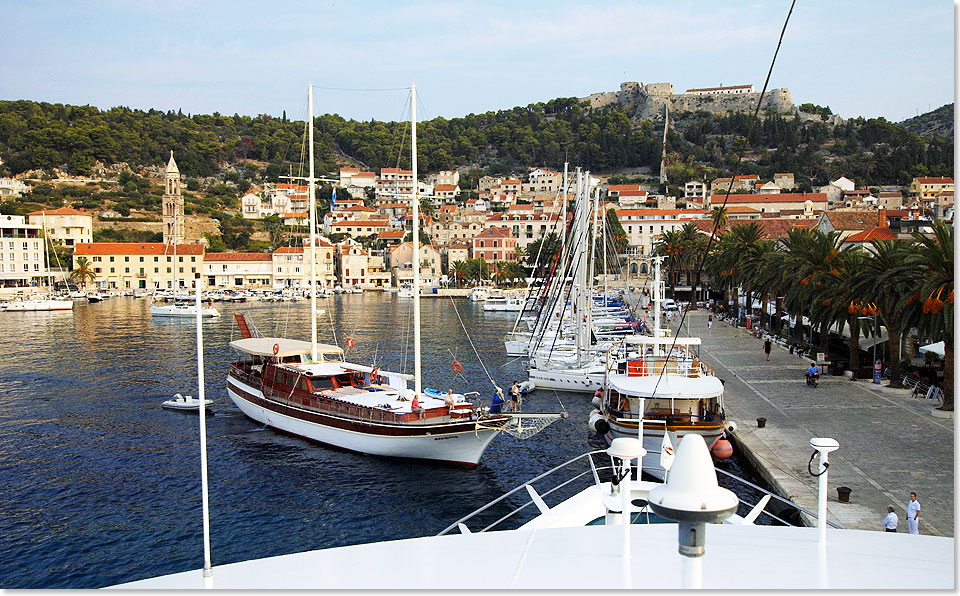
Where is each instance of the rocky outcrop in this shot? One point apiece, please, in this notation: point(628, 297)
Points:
point(646, 101)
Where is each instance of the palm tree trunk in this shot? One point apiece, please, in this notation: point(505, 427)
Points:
point(893, 341)
point(854, 346)
point(947, 375)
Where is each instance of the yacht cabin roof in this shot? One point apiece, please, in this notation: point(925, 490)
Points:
point(264, 346)
point(669, 386)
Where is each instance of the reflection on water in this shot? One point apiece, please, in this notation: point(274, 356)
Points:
point(101, 486)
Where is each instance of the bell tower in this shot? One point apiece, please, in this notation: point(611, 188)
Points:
point(172, 204)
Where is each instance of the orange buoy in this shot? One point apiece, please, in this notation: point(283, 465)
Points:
point(349, 343)
point(722, 449)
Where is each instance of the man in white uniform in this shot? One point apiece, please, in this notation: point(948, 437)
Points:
point(889, 523)
point(913, 512)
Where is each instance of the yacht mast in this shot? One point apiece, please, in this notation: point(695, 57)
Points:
point(313, 238)
point(418, 383)
point(593, 259)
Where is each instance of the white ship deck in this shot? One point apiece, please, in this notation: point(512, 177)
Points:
point(737, 557)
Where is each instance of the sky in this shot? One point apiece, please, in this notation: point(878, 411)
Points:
point(875, 58)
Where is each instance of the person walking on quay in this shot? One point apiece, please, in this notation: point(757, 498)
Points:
point(767, 344)
point(890, 522)
point(709, 323)
point(913, 512)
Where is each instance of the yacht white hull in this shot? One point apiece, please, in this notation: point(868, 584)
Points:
point(37, 305)
point(185, 312)
point(580, 380)
point(461, 448)
point(502, 306)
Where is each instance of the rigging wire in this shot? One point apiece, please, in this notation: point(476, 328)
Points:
point(733, 177)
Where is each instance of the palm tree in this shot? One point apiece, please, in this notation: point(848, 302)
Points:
point(671, 245)
point(719, 213)
point(460, 271)
point(883, 282)
point(743, 245)
point(930, 309)
point(810, 260)
point(83, 272)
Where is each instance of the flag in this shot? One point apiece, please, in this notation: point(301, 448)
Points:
point(333, 198)
point(666, 451)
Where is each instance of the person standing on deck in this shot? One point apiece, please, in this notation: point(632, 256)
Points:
point(913, 512)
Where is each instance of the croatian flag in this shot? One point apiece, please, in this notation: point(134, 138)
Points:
point(666, 451)
point(333, 198)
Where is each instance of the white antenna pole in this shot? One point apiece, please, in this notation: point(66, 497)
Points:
point(207, 570)
point(418, 383)
point(313, 238)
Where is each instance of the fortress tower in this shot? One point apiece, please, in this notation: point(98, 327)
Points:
point(172, 204)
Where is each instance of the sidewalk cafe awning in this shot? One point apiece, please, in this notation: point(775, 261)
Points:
point(936, 348)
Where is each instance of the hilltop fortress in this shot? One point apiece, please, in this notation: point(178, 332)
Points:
point(647, 101)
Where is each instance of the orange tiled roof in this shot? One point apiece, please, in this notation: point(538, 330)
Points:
point(136, 248)
point(60, 211)
point(237, 256)
point(935, 180)
point(872, 234)
point(445, 187)
point(622, 212)
point(787, 197)
point(495, 233)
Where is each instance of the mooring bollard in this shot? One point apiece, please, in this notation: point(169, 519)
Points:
point(843, 494)
point(761, 422)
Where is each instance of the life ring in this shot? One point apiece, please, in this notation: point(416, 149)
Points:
point(457, 367)
point(374, 374)
point(350, 343)
point(276, 349)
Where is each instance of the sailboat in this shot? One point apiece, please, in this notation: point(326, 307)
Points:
point(308, 389)
point(39, 302)
point(180, 309)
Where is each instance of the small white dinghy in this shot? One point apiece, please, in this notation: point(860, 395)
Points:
point(186, 404)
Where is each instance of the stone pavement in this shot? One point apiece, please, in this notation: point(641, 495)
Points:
point(890, 444)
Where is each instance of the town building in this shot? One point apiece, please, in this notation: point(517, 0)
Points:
point(644, 227)
point(357, 267)
point(930, 187)
point(495, 244)
point(141, 265)
point(695, 194)
point(740, 183)
point(292, 270)
point(64, 225)
point(525, 227)
point(850, 222)
point(238, 270)
point(11, 187)
point(399, 261)
point(774, 203)
point(21, 254)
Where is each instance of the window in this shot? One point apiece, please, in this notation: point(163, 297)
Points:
point(169, 259)
point(126, 270)
point(126, 259)
point(193, 259)
point(111, 259)
point(169, 269)
point(180, 259)
point(156, 270)
point(112, 270)
point(156, 259)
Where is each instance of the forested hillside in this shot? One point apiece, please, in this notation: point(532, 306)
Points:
point(938, 123)
point(42, 136)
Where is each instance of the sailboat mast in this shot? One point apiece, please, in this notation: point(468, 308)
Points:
point(593, 259)
point(563, 226)
point(312, 186)
point(418, 383)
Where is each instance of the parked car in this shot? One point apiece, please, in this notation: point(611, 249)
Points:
point(669, 304)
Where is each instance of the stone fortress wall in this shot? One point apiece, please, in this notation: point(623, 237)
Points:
point(647, 101)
